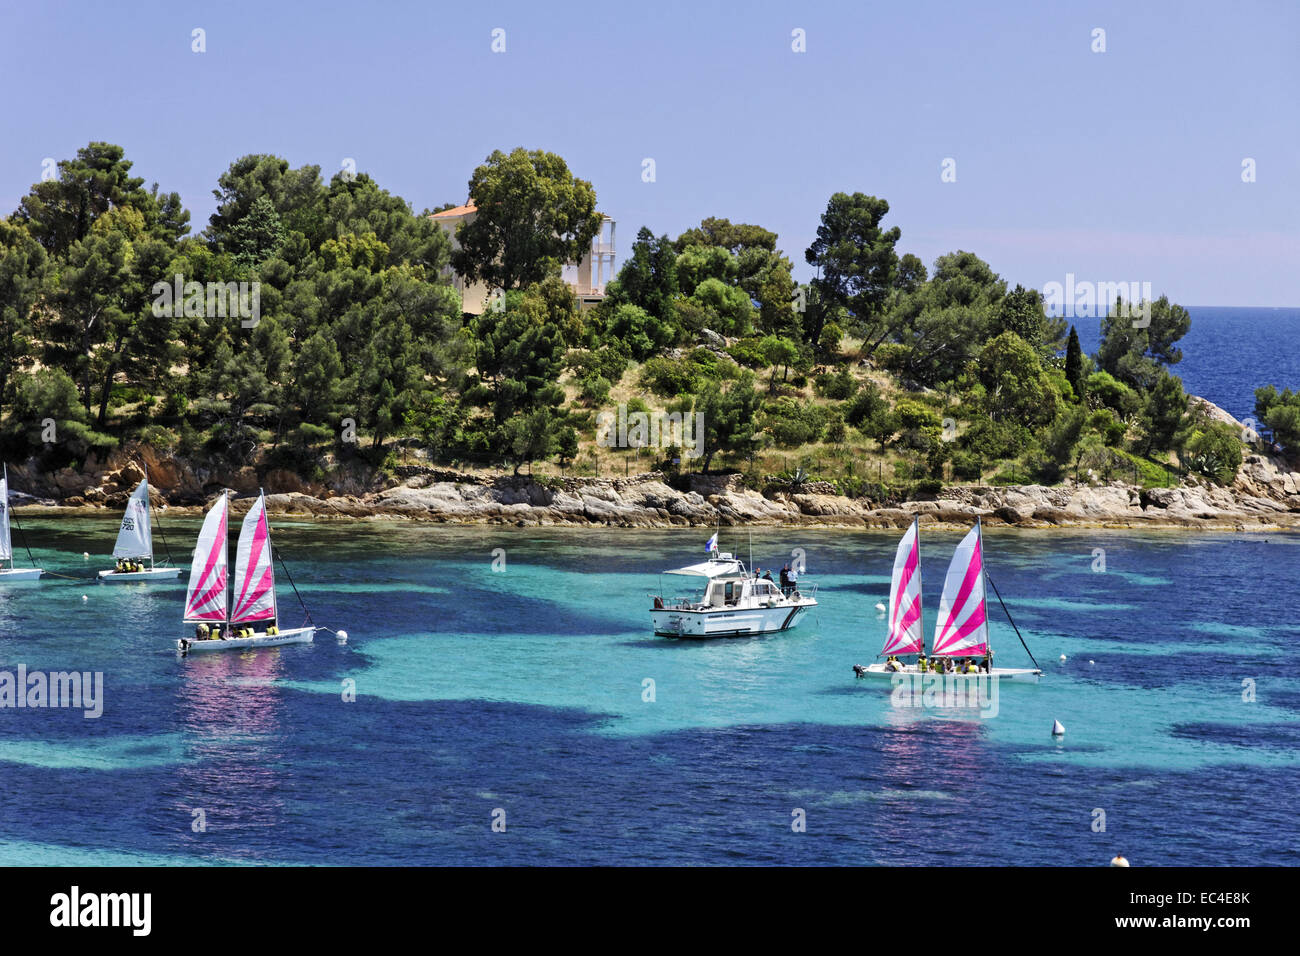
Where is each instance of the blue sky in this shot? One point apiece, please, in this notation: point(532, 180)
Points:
point(1115, 166)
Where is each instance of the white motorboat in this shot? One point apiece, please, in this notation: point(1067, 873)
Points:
point(733, 602)
point(962, 630)
point(218, 625)
point(135, 544)
point(11, 573)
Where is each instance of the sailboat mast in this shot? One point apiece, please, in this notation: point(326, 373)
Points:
point(920, 586)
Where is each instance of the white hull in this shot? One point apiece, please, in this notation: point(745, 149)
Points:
point(149, 574)
point(298, 635)
point(1024, 674)
point(20, 574)
point(728, 622)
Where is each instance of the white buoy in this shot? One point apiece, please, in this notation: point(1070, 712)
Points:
point(1058, 729)
point(1062, 657)
point(85, 555)
point(1118, 860)
point(84, 598)
point(880, 607)
point(342, 636)
point(1092, 662)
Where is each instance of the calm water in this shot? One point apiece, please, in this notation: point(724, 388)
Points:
point(1230, 352)
point(523, 690)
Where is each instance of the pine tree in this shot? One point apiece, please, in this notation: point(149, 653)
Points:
point(1074, 364)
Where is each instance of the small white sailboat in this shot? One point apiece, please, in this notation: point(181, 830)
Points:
point(218, 625)
point(10, 573)
point(962, 630)
point(735, 602)
point(135, 544)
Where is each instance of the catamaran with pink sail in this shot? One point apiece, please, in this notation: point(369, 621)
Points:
point(962, 630)
point(223, 624)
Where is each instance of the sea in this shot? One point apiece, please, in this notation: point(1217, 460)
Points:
point(500, 699)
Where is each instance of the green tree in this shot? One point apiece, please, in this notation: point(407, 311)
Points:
point(24, 269)
point(1134, 352)
point(1074, 365)
point(728, 409)
point(59, 212)
point(533, 216)
point(856, 262)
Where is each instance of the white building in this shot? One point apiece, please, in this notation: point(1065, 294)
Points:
point(587, 278)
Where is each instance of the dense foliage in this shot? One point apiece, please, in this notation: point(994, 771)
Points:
point(358, 336)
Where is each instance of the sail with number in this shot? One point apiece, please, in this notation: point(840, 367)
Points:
point(905, 634)
point(254, 577)
point(962, 628)
point(206, 598)
point(135, 539)
point(6, 544)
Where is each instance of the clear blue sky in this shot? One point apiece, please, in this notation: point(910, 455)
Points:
point(1116, 166)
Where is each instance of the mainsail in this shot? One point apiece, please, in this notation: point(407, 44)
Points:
point(206, 598)
point(962, 628)
point(905, 635)
point(6, 545)
point(135, 539)
point(254, 577)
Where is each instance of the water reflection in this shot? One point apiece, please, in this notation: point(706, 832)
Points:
point(233, 715)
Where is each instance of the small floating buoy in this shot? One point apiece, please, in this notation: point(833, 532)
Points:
point(84, 598)
point(1118, 860)
point(1092, 662)
point(85, 555)
point(1062, 657)
point(880, 607)
point(342, 636)
point(1058, 729)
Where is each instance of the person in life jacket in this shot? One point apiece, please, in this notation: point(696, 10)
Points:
point(922, 663)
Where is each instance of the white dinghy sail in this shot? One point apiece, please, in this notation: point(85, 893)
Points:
point(905, 632)
point(134, 544)
point(10, 573)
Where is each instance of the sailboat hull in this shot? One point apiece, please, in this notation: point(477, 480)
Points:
point(151, 574)
point(20, 574)
point(1023, 674)
point(299, 635)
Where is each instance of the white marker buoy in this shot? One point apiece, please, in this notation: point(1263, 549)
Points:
point(880, 607)
point(85, 555)
point(1062, 657)
point(342, 636)
point(84, 598)
point(1118, 860)
point(1092, 662)
point(1058, 729)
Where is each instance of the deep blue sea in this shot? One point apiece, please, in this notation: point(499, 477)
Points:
point(520, 695)
point(1230, 352)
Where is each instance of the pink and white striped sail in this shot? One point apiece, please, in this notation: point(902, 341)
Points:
point(962, 629)
point(254, 577)
point(206, 598)
point(905, 634)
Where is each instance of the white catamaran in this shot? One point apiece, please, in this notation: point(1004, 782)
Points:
point(735, 602)
point(218, 626)
point(10, 573)
point(135, 544)
point(962, 630)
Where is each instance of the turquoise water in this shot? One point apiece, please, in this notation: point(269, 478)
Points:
point(525, 690)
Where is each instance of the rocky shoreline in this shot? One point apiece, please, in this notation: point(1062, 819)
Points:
point(1265, 497)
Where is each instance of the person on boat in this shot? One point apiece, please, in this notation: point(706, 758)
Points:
point(922, 663)
point(785, 580)
point(986, 665)
point(767, 575)
point(794, 580)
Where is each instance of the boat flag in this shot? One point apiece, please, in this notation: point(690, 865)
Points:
point(712, 545)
